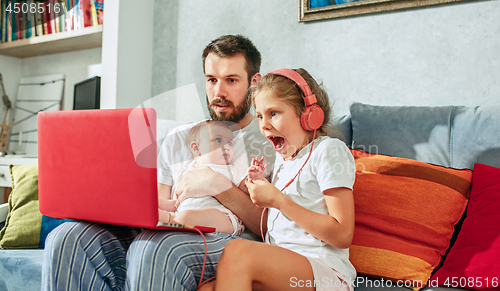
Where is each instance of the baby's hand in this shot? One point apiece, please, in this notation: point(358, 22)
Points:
point(166, 210)
point(256, 169)
point(166, 204)
point(166, 217)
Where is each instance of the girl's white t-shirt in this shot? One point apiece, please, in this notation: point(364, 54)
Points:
point(331, 165)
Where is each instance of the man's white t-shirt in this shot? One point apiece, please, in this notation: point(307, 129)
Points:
point(331, 165)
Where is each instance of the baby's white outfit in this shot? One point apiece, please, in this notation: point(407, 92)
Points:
point(229, 171)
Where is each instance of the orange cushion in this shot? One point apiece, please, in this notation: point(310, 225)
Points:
point(405, 216)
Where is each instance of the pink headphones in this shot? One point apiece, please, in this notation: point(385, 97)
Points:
point(312, 117)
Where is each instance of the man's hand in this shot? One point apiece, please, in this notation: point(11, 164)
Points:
point(200, 182)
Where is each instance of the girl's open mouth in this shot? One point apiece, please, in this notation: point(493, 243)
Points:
point(278, 142)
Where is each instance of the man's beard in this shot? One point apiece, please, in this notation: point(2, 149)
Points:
point(235, 115)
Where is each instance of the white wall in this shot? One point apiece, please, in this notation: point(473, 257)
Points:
point(127, 53)
point(437, 55)
point(73, 65)
point(10, 68)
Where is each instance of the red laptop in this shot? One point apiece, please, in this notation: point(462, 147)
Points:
point(100, 166)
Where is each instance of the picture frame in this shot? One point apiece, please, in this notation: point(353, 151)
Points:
point(359, 7)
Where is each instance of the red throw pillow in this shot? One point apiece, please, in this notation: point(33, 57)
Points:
point(405, 216)
point(473, 260)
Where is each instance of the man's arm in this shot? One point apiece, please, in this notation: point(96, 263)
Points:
point(240, 204)
point(203, 181)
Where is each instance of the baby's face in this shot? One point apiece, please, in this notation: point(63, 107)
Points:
point(216, 145)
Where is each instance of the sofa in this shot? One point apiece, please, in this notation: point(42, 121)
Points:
point(427, 196)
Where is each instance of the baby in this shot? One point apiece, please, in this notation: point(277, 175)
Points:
point(211, 144)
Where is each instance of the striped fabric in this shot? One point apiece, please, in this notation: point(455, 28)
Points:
point(405, 216)
point(87, 256)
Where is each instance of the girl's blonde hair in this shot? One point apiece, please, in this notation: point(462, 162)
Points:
point(288, 91)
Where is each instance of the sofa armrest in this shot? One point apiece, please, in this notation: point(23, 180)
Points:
point(4, 210)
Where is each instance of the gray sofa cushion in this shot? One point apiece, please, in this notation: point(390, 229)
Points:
point(342, 128)
point(418, 133)
point(475, 136)
point(450, 136)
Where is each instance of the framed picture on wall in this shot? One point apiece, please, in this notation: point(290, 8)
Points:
point(310, 10)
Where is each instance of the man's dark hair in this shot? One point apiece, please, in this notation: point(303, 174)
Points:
point(231, 45)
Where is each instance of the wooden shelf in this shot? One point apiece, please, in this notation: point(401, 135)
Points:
point(89, 37)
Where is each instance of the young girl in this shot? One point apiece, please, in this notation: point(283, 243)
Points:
point(310, 218)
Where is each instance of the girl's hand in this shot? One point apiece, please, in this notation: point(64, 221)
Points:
point(264, 194)
point(257, 169)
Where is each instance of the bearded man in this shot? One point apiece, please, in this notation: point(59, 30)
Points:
point(88, 256)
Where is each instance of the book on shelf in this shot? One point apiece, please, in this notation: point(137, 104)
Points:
point(19, 26)
point(78, 14)
point(13, 18)
point(54, 19)
point(99, 7)
point(86, 12)
point(38, 23)
point(32, 20)
point(69, 15)
point(3, 31)
point(21, 19)
point(93, 13)
point(62, 16)
point(27, 23)
point(46, 22)
point(8, 26)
